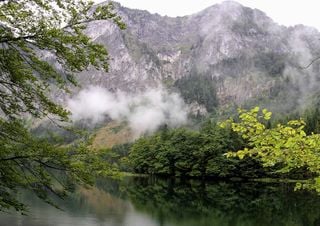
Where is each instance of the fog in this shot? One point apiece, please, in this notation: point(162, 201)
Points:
point(144, 112)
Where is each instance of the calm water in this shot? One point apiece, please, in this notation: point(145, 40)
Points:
point(156, 202)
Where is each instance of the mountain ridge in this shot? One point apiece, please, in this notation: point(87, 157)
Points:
point(246, 54)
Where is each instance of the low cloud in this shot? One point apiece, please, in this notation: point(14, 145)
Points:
point(144, 112)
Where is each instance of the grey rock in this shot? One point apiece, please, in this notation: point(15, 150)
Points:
point(247, 55)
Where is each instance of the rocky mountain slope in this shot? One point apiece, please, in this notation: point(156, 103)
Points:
point(244, 56)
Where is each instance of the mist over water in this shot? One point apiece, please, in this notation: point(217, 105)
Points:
point(144, 112)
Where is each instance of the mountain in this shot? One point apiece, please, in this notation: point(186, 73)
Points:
point(225, 55)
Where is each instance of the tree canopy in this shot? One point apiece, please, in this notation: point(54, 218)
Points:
point(184, 152)
point(31, 30)
point(285, 144)
point(262, 150)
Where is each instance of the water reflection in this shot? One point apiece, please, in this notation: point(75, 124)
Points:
point(154, 201)
point(222, 203)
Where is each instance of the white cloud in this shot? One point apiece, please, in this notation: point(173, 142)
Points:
point(145, 112)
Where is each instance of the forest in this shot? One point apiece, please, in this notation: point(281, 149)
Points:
point(250, 146)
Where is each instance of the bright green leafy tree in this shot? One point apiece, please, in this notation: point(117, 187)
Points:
point(286, 145)
point(30, 30)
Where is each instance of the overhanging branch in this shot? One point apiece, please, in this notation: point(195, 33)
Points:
point(314, 60)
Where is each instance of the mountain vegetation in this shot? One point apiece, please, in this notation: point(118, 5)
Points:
point(226, 55)
point(247, 147)
point(199, 89)
point(287, 145)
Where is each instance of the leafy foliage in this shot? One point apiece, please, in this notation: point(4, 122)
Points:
point(35, 164)
point(31, 30)
point(287, 145)
point(188, 153)
point(312, 119)
point(117, 157)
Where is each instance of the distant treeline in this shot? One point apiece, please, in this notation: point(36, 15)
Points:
point(199, 153)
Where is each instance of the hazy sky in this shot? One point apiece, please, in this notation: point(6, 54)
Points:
point(286, 12)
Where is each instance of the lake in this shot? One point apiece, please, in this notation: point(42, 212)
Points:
point(159, 202)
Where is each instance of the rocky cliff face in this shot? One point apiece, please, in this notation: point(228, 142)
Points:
point(246, 55)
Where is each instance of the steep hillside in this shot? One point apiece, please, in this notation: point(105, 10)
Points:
point(245, 56)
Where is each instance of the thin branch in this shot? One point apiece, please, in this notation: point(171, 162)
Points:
point(15, 157)
point(71, 25)
point(14, 39)
point(51, 167)
point(33, 36)
point(314, 60)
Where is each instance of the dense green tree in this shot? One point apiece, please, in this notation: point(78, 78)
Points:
point(286, 145)
point(210, 159)
point(312, 119)
point(166, 152)
point(31, 30)
point(187, 153)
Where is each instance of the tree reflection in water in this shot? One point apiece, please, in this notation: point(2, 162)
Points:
point(222, 203)
point(150, 201)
